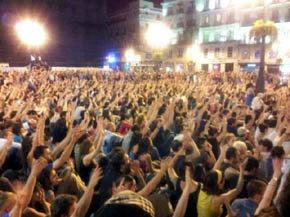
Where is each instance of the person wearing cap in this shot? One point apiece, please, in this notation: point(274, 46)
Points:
point(243, 134)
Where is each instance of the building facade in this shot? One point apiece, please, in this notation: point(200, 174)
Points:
point(223, 37)
point(126, 30)
point(180, 16)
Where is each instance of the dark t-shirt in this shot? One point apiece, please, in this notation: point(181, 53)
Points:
point(215, 147)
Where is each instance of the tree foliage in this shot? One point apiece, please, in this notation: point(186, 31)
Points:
point(262, 29)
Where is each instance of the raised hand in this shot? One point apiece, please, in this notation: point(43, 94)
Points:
point(96, 176)
point(165, 163)
point(38, 165)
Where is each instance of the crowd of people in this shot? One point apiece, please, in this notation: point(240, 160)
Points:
point(97, 145)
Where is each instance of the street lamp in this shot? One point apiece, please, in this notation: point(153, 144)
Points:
point(131, 57)
point(158, 37)
point(31, 33)
point(193, 53)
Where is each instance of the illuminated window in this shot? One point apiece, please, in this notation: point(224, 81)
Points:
point(230, 51)
point(216, 52)
point(218, 19)
point(205, 53)
point(205, 38)
point(180, 53)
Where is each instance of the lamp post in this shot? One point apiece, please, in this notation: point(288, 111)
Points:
point(260, 85)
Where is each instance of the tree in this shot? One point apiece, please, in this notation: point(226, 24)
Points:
point(259, 32)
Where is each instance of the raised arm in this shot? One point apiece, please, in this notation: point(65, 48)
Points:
point(77, 133)
point(6, 148)
point(148, 189)
point(85, 201)
point(235, 192)
point(183, 200)
point(271, 187)
point(26, 194)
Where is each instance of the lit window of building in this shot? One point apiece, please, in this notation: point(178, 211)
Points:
point(217, 52)
point(230, 51)
point(205, 53)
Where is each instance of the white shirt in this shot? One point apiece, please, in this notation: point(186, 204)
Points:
point(257, 103)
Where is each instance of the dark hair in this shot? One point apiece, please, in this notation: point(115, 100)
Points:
point(44, 178)
point(252, 164)
point(38, 151)
point(62, 204)
point(277, 152)
point(263, 128)
point(211, 183)
point(25, 149)
point(254, 187)
point(84, 148)
point(231, 152)
point(269, 212)
point(180, 166)
point(200, 142)
point(5, 185)
point(128, 181)
point(13, 176)
point(271, 123)
point(283, 198)
point(266, 143)
point(248, 118)
point(212, 131)
point(176, 145)
point(117, 158)
point(16, 129)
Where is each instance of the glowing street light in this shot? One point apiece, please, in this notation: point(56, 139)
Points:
point(158, 35)
point(31, 33)
point(130, 55)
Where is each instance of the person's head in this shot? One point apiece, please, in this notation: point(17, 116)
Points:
point(242, 148)
point(111, 127)
point(86, 147)
point(263, 128)
point(271, 123)
point(228, 139)
point(252, 165)
point(249, 120)
point(270, 212)
point(16, 129)
point(278, 152)
point(17, 179)
point(63, 206)
point(120, 160)
point(7, 201)
point(42, 151)
point(176, 145)
point(255, 190)
point(213, 182)
point(265, 145)
point(48, 178)
point(212, 132)
point(232, 155)
point(242, 131)
point(124, 183)
point(202, 143)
